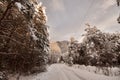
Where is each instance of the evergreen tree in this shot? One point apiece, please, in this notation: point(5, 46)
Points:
point(98, 48)
point(24, 42)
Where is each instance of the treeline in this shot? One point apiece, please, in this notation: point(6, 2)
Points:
point(97, 49)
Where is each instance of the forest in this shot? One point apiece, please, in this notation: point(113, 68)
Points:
point(25, 47)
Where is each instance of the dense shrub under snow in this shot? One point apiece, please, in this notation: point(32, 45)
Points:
point(109, 71)
point(96, 49)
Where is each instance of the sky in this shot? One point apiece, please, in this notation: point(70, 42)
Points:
point(67, 18)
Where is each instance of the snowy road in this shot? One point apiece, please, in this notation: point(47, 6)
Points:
point(64, 72)
point(60, 72)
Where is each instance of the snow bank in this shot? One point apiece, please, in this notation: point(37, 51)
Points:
point(63, 72)
point(114, 71)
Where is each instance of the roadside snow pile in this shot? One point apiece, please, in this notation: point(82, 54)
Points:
point(35, 76)
point(64, 72)
point(114, 71)
point(31, 77)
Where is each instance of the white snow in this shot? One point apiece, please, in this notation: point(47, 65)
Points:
point(20, 6)
point(64, 72)
point(1, 3)
point(32, 30)
point(39, 5)
point(114, 71)
point(81, 39)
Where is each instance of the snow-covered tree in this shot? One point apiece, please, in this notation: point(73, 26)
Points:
point(105, 45)
point(98, 48)
point(24, 42)
point(72, 49)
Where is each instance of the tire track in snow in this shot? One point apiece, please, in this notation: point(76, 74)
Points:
point(63, 75)
point(73, 72)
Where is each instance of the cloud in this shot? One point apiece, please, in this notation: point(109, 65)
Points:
point(111, 21)
point(66, 17)
point(104, 15)
point(108, 3)
point(58, 5)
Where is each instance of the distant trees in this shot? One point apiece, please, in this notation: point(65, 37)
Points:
point(73, 50)
point(58, 51)
point(55, 52)
point(98, 48)
point(63, 46)
point(24, 42)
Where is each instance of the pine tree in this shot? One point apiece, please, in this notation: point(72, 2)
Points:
point(24, 42)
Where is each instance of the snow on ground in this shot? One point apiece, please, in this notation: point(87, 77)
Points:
point(64, 72)
point(114, 71)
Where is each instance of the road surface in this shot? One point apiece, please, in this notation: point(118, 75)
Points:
point(64, 72)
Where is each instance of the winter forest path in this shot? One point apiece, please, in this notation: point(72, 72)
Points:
point(64, 72)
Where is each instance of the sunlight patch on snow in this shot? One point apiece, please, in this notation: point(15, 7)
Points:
point(81, 39)
point(39, 6)
point(1, 3)
point(19, 5)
